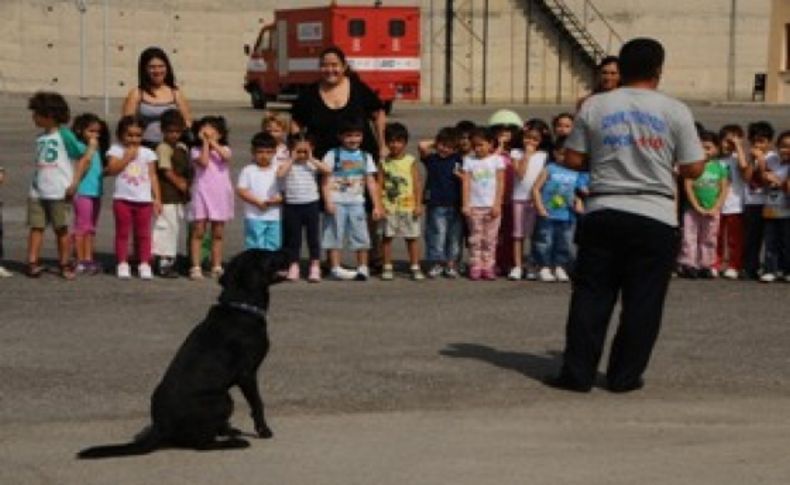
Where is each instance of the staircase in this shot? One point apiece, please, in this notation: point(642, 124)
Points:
point(574, 26)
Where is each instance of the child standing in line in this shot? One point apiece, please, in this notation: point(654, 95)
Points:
point(401, 195)
point(212, 191)
point(483, 189)
point(278, 125)
point(760, 135)
point(4, 273)
point(259, 188)
point(705, 196)
point(464, 128)
point(506, 126)
point(554, 193)
point(302, 207)
point(562, 125)
point(730, 240)
point(174, 173)
point(53, 181)
point(777, 212)
point(93, 132)
point(352, 171)
point(136, 197)
point(443, 224)
point(528, 164)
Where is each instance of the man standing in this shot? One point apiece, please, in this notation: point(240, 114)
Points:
point(629, 139)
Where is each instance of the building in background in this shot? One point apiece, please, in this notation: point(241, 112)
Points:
point(499, 51)
point(778, 74)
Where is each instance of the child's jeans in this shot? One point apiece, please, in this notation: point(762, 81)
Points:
point(443, 232)
point(730, 242)
point(348, 223)
point(166, 228)
point(295, 218)
point(700, 233)
point(86, 214)
point(483, 232)
point(132, 217)
point(553, 241)
point(752, 238)
point(777, 246)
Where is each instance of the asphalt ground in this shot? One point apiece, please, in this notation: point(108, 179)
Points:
point(435, 382)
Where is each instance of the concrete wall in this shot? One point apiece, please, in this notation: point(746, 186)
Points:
point(778, 82)
point(40, 46)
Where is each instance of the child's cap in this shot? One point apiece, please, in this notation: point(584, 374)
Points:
point(505, 117)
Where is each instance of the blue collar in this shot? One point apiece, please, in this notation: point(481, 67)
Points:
point(245, 307)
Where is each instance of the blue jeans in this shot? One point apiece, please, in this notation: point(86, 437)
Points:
point(348, 223)
point(442, 234)
point(553, 242)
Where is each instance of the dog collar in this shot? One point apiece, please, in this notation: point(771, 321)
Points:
point(246, 307)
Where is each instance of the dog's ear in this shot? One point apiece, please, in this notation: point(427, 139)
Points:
point(232, 273)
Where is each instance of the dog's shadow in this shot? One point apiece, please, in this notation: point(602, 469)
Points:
point(533, 366)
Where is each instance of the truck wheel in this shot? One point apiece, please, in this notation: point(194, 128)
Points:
point(257, 98)
point(387, 107)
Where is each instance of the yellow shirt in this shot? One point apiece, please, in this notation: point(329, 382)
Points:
point(398, 192)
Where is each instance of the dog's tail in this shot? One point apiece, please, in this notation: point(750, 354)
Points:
point(146, 442)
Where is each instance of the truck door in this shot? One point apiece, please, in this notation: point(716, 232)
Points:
point(282, 47)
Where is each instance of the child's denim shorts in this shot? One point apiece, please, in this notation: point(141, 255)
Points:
point(348, 223)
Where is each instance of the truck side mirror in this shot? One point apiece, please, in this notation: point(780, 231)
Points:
point(247, 49)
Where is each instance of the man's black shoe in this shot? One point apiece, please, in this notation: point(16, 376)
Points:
point(631, 386)
point(565, 383)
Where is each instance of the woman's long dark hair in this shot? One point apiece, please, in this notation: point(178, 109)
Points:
point(143, 79)
point(337, 51)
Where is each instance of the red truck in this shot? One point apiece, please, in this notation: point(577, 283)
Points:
point(382, 44)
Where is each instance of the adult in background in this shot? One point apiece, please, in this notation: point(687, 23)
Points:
point(156, 92)
point(608, 78)
point(629, 139)
point(321, 109)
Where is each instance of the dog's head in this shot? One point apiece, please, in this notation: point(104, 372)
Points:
point(249, 274)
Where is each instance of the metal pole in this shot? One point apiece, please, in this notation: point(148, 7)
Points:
point(82, 8)
point(526, 57)
point(559, 64)
point(485, 50)
point(448, 52)
point(105, 58)
point(731, 58)
point(431, 48)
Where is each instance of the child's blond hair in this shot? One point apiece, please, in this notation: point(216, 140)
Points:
point(277, 117)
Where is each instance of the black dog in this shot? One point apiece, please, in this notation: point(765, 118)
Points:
point(191, 407)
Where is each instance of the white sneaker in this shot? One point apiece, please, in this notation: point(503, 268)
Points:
point(714, 273)
point(341, 273)
point(4, 273)
point(145, 271)
point(545, 275)
point(363, 273)
point(123, 271)
point(561, 275)
point(515, 274)
point(195, 273)
point(730, 274)
point(435, 271)
point(768, 278)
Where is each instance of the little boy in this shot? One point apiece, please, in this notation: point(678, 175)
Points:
point(443, 224)
point(401, 188)
point(173, 169)
point(259, 189)
point(4, 273)
point(53, 180)
point(776, 212)
point(352, 171)
point(761, 135)
point(730, 240)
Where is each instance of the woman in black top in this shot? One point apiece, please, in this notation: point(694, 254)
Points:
point(338, 95)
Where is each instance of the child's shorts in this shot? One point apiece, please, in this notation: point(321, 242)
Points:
point(261, 234)
point(86, 214)
point(41, 213)
point(524, 217)
point(348, 222)
point(402, 224)
point(166, 228)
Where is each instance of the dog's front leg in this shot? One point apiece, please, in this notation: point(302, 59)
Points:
point(249, 387)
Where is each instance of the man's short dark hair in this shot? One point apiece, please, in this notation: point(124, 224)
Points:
point(50, 105)
point(641, 59)
point(760, 129)
point(396, 131)
point(263, 140)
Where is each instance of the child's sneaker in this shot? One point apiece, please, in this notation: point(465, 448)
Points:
point(342, 274)
point(489, 274)
point(531, 275)
point(81, 267)
point(315, 273)
point(515, 274)
point(417, 274)
point(730, 274)
point(363, 273)
point(145, 271)
point(435, 271)
point(4, 273)
point(123, 271)
point(768, 278)
point(195, 273)
point(293, 272)
point(387, 274)
point(451, 273)
point(714, 273)
point(545, 275)
point(216, 272)
point(475, 273)
point(561, 275)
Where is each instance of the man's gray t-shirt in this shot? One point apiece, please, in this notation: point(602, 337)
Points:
point(633, 137)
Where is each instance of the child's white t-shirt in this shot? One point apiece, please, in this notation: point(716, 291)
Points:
point(733, 204)
point(263, 184)
point(482, 189)
point(522, 188)
point(54, 166)
point(134, 183)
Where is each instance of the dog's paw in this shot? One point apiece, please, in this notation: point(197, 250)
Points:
point(264, 432)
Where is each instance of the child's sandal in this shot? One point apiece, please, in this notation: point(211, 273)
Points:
point(34, 270)
point(67, 272)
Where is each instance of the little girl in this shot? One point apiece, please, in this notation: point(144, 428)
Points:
point(528, 164)
point(302, 207)
point(92, 131)
point(483, 186)
point(278, 125)
point(562, 125)
point(212, 191)
point(136, 195)
point(506, 127)
point(704, 196)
